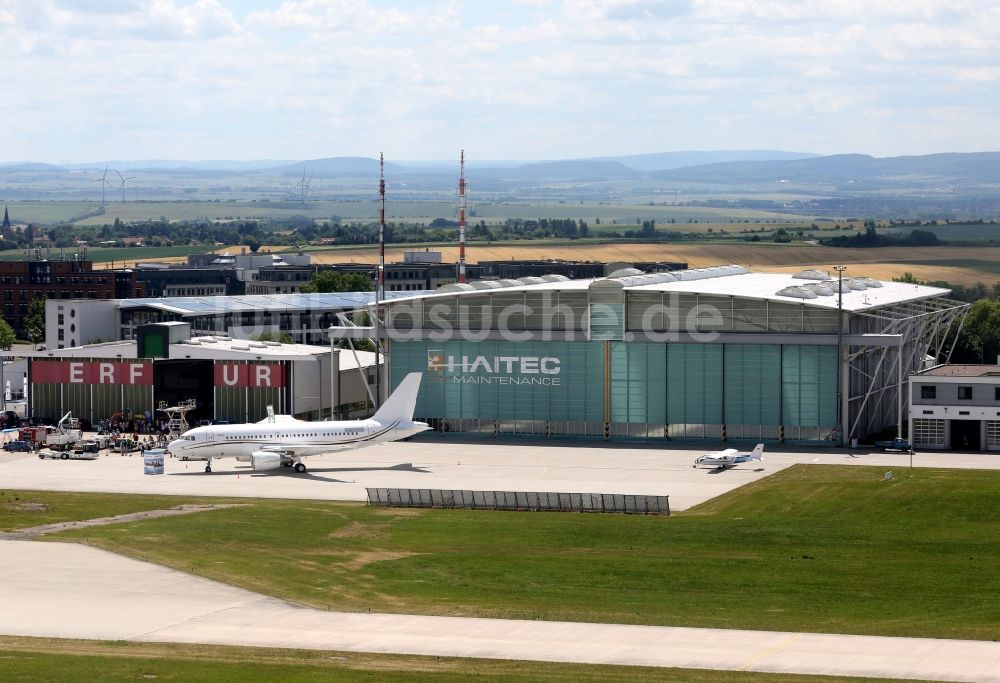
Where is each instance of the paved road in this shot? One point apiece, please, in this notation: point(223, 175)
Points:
point(56, 589)
point(450, 463)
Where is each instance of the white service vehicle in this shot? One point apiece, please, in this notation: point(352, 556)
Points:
point(64, 434)
point(49, 454)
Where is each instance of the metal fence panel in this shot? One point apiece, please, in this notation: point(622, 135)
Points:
point(520, 500)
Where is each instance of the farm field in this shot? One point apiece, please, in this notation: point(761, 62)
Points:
point(967, 232)
point(624, 215)
point(816, 548)
point(47, 213)
point(961, 265)
point(29, 660)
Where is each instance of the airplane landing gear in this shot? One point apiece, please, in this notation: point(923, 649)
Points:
point(300, 467)
point(208, 467)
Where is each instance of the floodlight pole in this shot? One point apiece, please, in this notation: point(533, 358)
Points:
point(841, 416)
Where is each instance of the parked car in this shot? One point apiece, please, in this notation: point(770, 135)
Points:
point(17, 446)
point(896, 444)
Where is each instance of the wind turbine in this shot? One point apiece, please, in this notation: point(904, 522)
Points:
point(123, 179)
point(306, 185)
point(104, 183)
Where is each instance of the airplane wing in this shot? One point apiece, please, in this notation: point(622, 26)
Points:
point(726, 453)
point(298, 450)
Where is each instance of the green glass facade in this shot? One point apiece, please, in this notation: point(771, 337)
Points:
point(90, 401)
point(237, 404)
point(625, 389)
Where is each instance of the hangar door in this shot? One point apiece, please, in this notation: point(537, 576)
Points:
point(180, 380)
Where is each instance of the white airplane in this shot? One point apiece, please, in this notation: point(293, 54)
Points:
point(283, 440)
point(730, 457)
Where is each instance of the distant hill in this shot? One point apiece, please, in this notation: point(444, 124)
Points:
point(155, 165)
point(334, 167)
point(971, 168)
point(662, 161)
point(845, 172)
point(583, 169)
point(211, 165)
point(30, 166)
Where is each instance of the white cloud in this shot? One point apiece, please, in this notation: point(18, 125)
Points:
point(200, 78)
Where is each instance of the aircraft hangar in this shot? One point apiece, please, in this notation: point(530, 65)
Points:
point(233, 380)
point(717, 353)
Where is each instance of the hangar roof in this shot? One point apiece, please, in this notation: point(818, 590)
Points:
point(215, 305)
point(769, 287)
point(809, 287)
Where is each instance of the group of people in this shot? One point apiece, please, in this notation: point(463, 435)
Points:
point(135, 442)
point(136, 427)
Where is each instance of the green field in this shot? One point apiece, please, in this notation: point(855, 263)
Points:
point(960, 232)
point(21, 509)
point(48, 212)
point(28, 660)
point(811, 548)
point(615, 215)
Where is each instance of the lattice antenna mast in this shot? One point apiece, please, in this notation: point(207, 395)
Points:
point(461, 218)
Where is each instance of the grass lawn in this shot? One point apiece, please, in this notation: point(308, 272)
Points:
point(21, 509)
point(35, 659)
point(811, 548)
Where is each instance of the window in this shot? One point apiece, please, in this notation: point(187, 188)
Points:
point(996, 393)
point(928, 391)
point(965, 393)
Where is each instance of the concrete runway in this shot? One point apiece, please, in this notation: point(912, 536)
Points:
point(56, 590)
point(571, 467)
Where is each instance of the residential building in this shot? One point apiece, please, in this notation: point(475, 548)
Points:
point(22, 281)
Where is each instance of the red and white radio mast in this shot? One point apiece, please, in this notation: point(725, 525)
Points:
point(380, 280)
point(461, 219)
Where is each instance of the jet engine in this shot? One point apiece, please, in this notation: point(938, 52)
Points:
point(265, 461)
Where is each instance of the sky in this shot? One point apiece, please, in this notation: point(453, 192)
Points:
point(88, 80)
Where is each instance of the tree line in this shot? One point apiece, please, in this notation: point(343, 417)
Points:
point(978, 341)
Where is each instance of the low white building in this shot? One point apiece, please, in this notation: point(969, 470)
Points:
point(956, 407)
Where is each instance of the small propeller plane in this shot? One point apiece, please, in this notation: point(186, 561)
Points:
point(730, 457)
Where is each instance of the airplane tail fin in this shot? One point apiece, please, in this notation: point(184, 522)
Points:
point(400, 405)
point(758, 452)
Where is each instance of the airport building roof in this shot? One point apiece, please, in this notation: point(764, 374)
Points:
point(218, 305)
point(860, 293)
point(962, 371)
point(809, 287)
